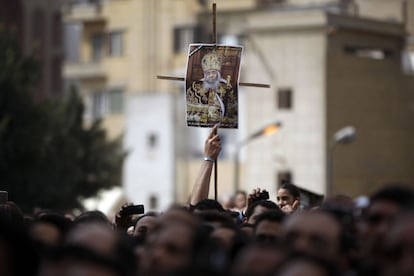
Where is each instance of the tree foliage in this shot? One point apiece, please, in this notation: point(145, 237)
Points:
point(48, 158)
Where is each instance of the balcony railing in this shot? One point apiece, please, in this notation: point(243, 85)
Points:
point(84, 70)
point(84, 10)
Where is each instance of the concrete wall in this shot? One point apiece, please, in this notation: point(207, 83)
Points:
point(372, 95)
point(293, 44)
point(149, 169)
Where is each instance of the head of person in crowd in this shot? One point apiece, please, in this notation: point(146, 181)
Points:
point(104, 242)
point(208, 204)
point(175, 245)
point(384, 206)
point(288, 197)
point(240, 200)
point(247, 229)
point(268, 227)
point(399, 246)
point(17, 252)
point(258, 259)
point(9, 211)
point(79, 260)
point(215, 218)
point(342, 208)
point(315, 233)
point(145, 225)
point(48, 229)
point(258, 207)
point(305, 265)
point(229, 238)
point(227, 201)
point(92, 216)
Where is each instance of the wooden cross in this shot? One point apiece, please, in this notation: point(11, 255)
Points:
point(260, 85)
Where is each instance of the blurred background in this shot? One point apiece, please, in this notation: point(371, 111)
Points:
point(330, 64)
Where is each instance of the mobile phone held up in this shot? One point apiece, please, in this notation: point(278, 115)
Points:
point(263, 195)
point(132, 210)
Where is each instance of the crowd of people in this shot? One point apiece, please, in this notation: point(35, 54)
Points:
point(251, 236)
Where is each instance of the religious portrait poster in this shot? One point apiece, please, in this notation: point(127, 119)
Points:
point(211, 85)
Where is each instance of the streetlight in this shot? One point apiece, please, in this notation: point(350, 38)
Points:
point(345, 135)
point(265, 131)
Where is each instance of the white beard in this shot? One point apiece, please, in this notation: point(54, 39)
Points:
point(209, 85)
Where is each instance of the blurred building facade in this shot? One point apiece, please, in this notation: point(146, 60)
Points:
point(330, 64)
point(38, 27)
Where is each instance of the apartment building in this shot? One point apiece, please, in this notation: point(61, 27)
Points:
point(329, 65)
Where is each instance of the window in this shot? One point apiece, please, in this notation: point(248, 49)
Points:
point(152, 141)
point(97, 43)
point(107, 102)
point(284, 98)
point(153, 202)
point(116, 44)
point(116, 101)
point(375, 53)
point(185, 35)
point(72, 34)
point(98, 105)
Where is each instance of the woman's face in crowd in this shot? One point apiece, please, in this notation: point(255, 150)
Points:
point(284, 197)
point(240, 201)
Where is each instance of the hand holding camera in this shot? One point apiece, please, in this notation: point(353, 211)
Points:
point(257, 194)
point(124, 218)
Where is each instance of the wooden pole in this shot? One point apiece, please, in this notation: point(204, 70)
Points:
point(251, 84)
point(215, 42)
point(214, 25)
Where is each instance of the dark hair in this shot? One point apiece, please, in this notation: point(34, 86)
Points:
point(264, 203)
point(293, 190)
point(208, 204)
point(401, 196)
point(91, 216)
point(223, 218)
point(275, 215)
point(148, 214)
point(59, 221)
point(347, 223)
point(12, 213)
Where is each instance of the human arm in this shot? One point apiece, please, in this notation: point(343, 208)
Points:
point(212, 148)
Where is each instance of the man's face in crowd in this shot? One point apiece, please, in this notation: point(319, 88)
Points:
point(257, 260)
point(145, 226)
point(316, 234)
point(400, 247)
point(377, 224)
point(257, 211)
point(169, 249)
point(211, 76)
point(268, 231)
